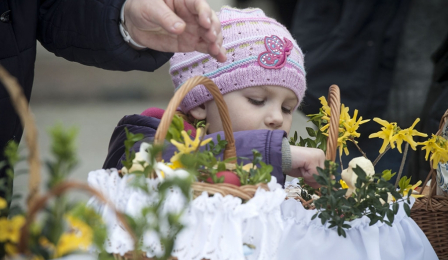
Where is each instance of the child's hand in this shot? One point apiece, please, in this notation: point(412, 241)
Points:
point(304, 163)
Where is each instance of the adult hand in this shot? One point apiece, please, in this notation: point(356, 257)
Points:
point(175, 26)
point(304, 163)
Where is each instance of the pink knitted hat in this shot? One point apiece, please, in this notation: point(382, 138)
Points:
point(260, 51)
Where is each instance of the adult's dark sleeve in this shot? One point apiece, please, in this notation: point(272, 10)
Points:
point(86, 31)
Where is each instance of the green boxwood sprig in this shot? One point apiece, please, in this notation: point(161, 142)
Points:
point(369, 199)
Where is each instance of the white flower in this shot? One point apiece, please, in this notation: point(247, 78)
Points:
point(350, 177)
point(141, 156)
point(164, 171)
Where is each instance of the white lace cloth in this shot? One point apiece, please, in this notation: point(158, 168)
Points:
point(216, 227)
point(304, 238)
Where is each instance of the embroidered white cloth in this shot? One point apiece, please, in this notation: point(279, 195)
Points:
point(217, 227)
point(304, 238)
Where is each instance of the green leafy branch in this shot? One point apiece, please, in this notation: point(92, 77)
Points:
point(131, 139)
point(260, 172)
point(12, 156)
point(369, 199)
point(317, 140)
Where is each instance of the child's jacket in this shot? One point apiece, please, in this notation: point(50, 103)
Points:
point(267, 142)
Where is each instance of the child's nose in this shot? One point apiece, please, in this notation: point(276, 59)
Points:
point(274, 120)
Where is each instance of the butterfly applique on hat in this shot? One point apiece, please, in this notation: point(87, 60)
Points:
point(260, 52)
point(276, 54)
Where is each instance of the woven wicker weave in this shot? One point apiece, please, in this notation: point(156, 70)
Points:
point(431, 212)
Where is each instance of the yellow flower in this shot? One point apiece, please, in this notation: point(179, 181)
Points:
point(82, 230)
point(439, 155)
point(392, 134)
point(429, 145)
point(11, 249)
point(386, 133)
point(343, 184)
point(10, 229)
point(342, 143)
point(406, 135)
point(344, 113)
point(190, 145)
point(412, 187)
point(351, 125)
point(325, 108)
point(68, 242)
point(438, 147)
point(3, 203)
point(79, 238)
point(347, 128)
point(3, 227)
point(44, 242)
point(249, 166)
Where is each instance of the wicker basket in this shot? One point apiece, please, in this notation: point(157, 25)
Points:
point(245, 192)
point(431, 212)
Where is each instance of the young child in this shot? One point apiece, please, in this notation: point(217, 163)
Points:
point(262, 81)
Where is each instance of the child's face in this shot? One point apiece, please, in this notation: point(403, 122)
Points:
point(260, 107)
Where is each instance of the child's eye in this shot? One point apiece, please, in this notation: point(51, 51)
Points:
point(255, 102)
point(286, 110)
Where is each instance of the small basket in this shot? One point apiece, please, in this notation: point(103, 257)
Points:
point(431, 212)
point(245, 192)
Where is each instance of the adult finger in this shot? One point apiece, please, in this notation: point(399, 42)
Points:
point(202, 9)
point(213, 33)
point(215, 47)
point(219, 53)
point(208, 35)
point(203, 47)
point(159, 13)
point(216, 29)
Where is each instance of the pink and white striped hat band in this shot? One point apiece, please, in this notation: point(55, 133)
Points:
point(260, 51)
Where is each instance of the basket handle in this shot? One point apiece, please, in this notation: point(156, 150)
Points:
point(39, 203)
point(334, 102)
point(230, 150)
point(20, 104)
point(35, 202)
point(433, 174)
